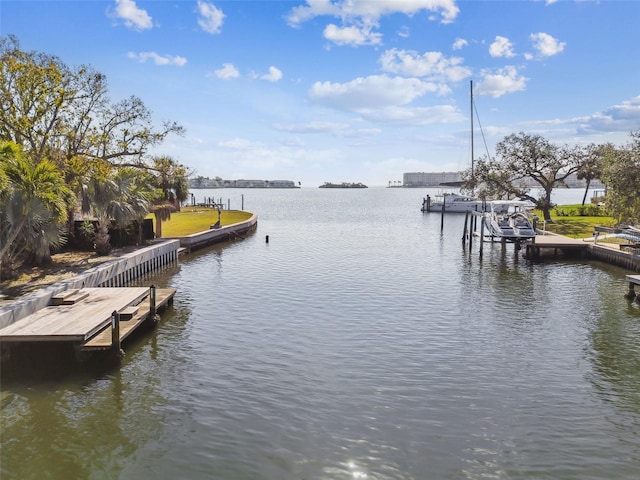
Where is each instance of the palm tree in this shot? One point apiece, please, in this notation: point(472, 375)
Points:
point(115, 199)
point(171, 180)
point(33, 200)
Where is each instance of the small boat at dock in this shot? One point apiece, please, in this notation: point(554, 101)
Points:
point(510, 221)
point(459, 203)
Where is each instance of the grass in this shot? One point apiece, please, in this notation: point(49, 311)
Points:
point(568, 221)
point(198, 219)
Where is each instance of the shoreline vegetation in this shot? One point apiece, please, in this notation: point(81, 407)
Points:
point(343, 185)
point(66, 264)
point(566, 221)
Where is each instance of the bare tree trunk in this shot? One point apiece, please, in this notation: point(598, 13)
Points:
point(586, 190)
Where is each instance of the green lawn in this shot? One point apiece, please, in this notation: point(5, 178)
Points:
point(567, 221)
point(198, 219)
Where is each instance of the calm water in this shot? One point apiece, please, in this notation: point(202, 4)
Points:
point(360, 342)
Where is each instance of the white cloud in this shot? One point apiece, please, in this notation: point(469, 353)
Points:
point(447, 10)
point(623, 117)
point(360, 18)
point(404, 32)
point(459, 43)
point(506, 80)
point(337, 129)
point(546, 45)
point(611, 125)
point(133, 17)
point(377, 91)
point(501, 47)
point(311, 127)
point(211, 18)
point(433, 65)
point(354, 35)
point(400, 115)
point(227, 71)
point(273, 76)
point(384, 99)
point(160, 60)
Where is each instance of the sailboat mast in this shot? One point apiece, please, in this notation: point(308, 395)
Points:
point(471, 96)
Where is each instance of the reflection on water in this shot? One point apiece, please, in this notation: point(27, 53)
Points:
point(360, 342)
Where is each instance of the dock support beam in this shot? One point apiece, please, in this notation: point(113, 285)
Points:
point(631, 293)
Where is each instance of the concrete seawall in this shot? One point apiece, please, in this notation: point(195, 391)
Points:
point(615, 257)
point(215, 235)
point(115, 273)
point(128, 267)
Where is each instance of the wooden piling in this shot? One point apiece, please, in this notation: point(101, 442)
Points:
point(115, 336)
point(465, 232)
point(481, 236)
point(152, 300)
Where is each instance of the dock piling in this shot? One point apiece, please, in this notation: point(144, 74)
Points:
point(481, 236)
point(631, 293)
point(115, 335)
point(465, 232)
point(152, 300)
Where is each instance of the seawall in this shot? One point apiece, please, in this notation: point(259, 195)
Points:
point(116, 273)
point(221, 234)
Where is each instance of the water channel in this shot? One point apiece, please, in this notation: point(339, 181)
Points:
point(361, 341)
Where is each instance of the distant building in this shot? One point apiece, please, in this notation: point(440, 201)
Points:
point(204, 182)
point(430, 179)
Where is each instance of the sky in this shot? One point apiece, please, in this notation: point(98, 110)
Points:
point(321, 91)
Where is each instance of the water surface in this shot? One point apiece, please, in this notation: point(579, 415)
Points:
point(359, 342)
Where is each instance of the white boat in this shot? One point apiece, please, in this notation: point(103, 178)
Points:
point(514, 225)
point(453, 203)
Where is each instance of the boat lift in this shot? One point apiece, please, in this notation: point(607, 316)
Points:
point(471, 227)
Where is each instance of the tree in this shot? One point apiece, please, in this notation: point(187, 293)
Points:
point(53, 110)
point(64, 115)
point(171, 180)
point(115, 197)
point(32, 206)
point(592, 167)
point(621, 174)
point(522, 157)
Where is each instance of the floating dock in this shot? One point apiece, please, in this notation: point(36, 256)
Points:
point(90, 318)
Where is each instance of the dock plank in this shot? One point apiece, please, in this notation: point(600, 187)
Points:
point(102, 340)
point(76, 322)
point(635, 279)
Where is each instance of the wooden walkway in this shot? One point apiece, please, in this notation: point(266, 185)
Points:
point(85, 316)
point(555, 243)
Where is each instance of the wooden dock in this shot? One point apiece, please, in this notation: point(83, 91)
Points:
point(555, 243)
point(89, 317)
point(631, 294)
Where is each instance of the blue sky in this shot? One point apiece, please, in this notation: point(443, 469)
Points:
point(356, 91)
